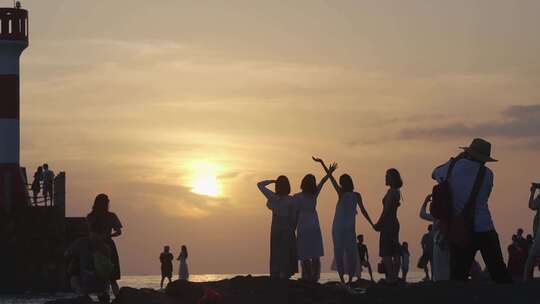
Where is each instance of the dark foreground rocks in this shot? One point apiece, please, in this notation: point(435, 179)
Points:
point(262, 290)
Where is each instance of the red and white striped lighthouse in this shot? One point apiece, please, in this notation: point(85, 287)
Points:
point(13, 41)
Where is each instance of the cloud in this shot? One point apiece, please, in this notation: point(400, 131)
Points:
point(520, 122)
point(173, 200)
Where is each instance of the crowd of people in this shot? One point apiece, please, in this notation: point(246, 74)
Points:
point(296, 233)
point(461, 224)
point(449, 245)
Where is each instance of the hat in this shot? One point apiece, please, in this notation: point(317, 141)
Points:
point(480, 149)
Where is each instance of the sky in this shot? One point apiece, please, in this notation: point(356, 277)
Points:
point(176, 109)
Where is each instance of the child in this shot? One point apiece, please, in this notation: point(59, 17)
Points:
point(405, 261)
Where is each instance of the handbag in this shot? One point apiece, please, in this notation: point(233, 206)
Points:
point(461, 226)
point(380, 268)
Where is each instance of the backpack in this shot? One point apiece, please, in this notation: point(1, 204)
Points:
point(441, 204)
point(103, 266)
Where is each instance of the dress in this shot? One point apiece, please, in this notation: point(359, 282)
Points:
point(183, 271)
point(283, 257)
point(309, 238)
point(344, 233)
point(389, 238)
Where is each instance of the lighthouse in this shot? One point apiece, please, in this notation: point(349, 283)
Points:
point(13, 41)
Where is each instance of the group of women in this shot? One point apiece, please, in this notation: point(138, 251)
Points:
point(296, 233)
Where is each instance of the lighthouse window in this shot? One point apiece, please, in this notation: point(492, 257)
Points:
point(10, 26)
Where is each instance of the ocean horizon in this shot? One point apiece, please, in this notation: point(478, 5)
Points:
point(153, 281)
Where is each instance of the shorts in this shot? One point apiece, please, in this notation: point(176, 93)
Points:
point(424, 260)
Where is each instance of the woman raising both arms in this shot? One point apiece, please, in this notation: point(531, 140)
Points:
point(344, 224)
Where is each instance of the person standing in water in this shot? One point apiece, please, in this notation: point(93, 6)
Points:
point(344, 224)
point(36, 183)
point(388, 226)
point(405, 261)
point(363, 255)
point(283, 258)
point(166, 258)
point(100, 213)
point(183, 270)
point(309, 238)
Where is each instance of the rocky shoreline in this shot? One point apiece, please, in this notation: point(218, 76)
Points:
point(262, 290)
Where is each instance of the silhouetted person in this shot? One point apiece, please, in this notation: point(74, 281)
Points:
point(405, 261)
point(517, 256)
point(90, 264)
point(344, 224)
point(283, 258)
point(440, 266)
point(183, 270)
point(534, 252)
point(100, 213)
point(522, 242)
point(48, 184)
point(36, 184)
point(388, 226)
point(468, 171)
point(309, 238)
point(363, 255)
point(166, 258)
point(427, 253)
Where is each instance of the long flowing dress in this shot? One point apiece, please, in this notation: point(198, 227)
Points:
point(283, 258)
point(389, 245)
point(309, 237)
point(344, 233)
point(183, 271)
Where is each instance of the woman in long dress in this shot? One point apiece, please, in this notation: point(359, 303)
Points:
point(388, 226)
point(441, 251)
point(344, 224)
point(309, 238)
point(183, 270)
point(283, 259)
point(100, 212)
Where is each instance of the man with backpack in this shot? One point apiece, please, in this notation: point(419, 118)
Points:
point(460, 202)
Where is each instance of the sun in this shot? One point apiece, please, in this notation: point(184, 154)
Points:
point(205, 184)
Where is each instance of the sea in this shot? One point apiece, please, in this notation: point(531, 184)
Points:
point(152, 281)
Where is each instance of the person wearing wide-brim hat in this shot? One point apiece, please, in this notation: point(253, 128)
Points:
point(466, 170)
point(480, 150)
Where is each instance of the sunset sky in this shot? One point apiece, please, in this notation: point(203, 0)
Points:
point(177, 108)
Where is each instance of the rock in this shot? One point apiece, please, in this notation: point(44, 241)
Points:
point(77, 300)
point(185, 291)
point(129, 295)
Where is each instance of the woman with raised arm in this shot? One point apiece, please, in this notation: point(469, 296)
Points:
point(309, 238)
point(344, 224)
point(388, 226)
point(441, 251)
point(283, 259)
